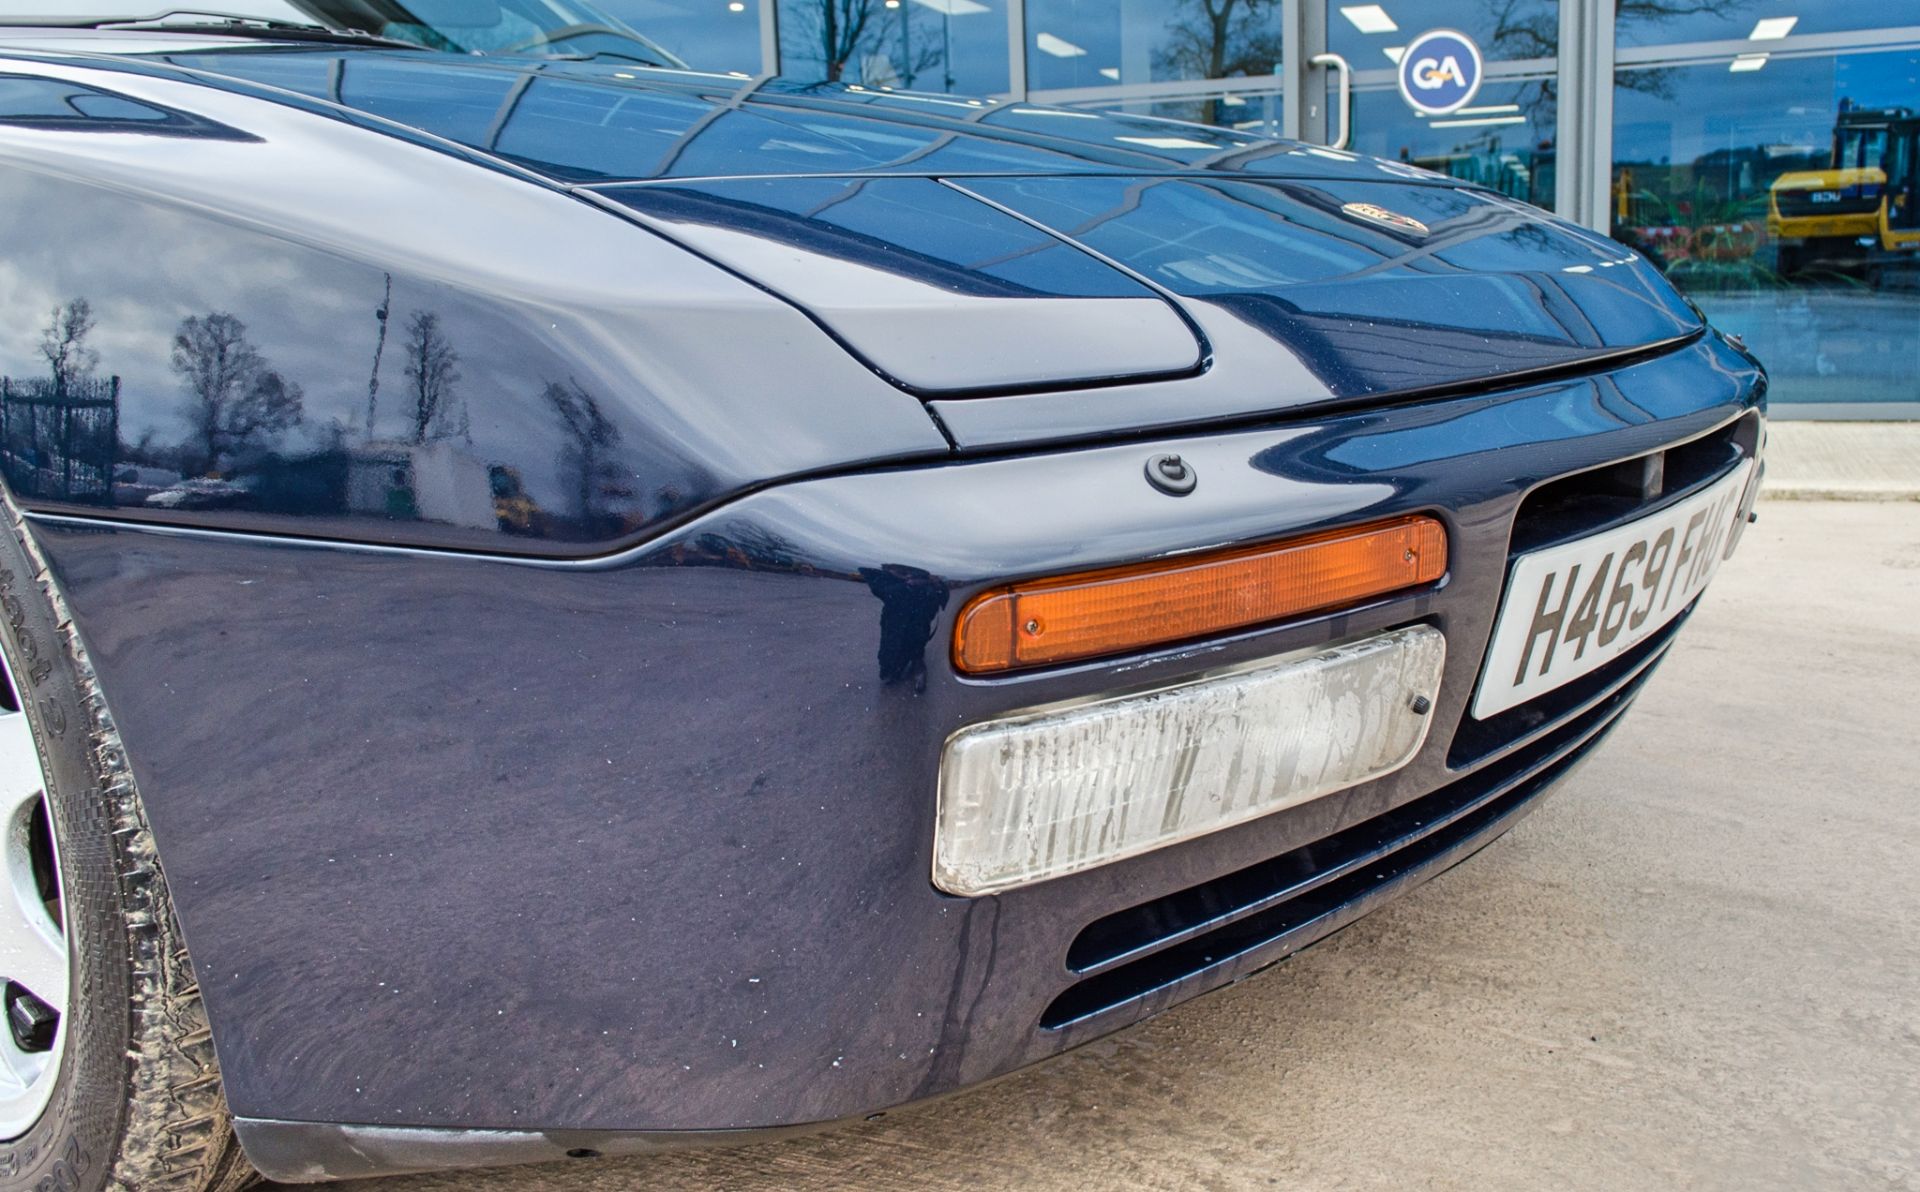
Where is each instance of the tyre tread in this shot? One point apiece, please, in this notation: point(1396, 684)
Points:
point(178, 1132)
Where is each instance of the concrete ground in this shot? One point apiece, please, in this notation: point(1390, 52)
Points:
point(1851, 461)
point(1697, 966)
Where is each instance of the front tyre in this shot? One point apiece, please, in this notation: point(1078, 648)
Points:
point(107, 1071)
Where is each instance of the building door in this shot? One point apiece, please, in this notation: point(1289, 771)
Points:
point(1503, 136)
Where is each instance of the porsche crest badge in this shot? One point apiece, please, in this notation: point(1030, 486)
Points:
point(1374, 213)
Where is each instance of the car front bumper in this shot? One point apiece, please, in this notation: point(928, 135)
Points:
point(493, 861)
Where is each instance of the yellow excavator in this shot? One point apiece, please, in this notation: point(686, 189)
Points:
point(1862, 213)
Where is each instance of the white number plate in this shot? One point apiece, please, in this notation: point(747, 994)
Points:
point(1572, 609)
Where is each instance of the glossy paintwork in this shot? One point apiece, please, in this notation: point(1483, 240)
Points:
point(633, 832)
point(937, 290)
point(646, 845)
point(595, 385)
point(587, 400)
point(1477, 286)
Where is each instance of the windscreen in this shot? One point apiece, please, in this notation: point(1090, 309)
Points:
point(1861, 148)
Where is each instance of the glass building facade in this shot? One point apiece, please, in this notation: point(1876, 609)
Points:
point(1765, 153)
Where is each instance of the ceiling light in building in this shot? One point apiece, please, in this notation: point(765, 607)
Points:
point(736, 6)
point(1478, 122)
point(1394, 53)
point(955, 8)
point(1772, 28)
point(1110, 72)
point(1059, 47)
point(1369, 18)
point(1746, 62)
point(1166, 142)
point(1495, 109)
point(893, 3)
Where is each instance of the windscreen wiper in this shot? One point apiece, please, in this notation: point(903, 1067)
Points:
point(227, 25)
point(615, 55)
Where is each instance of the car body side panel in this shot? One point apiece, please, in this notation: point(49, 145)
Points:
point(588, 379)
point(644, 845)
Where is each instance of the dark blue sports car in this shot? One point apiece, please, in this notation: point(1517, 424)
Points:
point(559, 605)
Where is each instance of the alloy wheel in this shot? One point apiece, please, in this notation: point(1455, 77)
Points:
point(33, 936)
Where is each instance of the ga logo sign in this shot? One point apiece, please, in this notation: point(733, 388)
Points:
point(1439, 72)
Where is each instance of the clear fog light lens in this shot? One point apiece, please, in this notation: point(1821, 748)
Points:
point(1053, 792)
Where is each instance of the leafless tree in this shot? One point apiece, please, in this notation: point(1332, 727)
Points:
point(592, 435)
point(1531, 29)
point(64, 343)
point(432, 370)
point(1222, 39)
point(844, 33)
point(235, 398)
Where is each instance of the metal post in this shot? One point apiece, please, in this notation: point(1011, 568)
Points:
point(1598, 148)
point(66, 450)
point(33, 448)
point(113, 441)
point(1017, 50)
point(1304, 90)
point(1583, 155)
point(1293, 69)
point(770, 37)
point(906, 44)
point(1567, 164)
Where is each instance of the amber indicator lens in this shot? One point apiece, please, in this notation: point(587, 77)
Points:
point(1121, 609)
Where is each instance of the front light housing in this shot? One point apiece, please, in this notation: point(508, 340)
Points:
point(1055, 791)
point(1095, 614)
